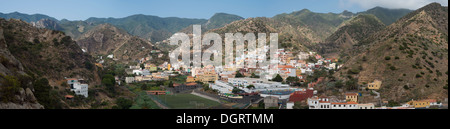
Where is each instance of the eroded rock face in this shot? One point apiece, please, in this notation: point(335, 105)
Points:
point(24, 100)
point(46, 23)
point(21, 106)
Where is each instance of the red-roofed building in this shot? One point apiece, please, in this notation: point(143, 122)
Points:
point(299, 96)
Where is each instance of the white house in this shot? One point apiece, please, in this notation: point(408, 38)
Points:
point(347, 105)
point(110, 56)
point(129, 80)
point(366, 106)
point(80, 89)
point(137, 72)
point(319, 103)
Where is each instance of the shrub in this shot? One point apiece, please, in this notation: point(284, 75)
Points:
point(10, 87)
point(405, 87)
point(418, 76)
point(397, 58)
point(123, 103)
point(387, 58)
point(393, 68)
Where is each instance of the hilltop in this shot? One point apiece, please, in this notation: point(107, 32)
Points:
point(106, 39)
point(350, 33)
point(34, 61)
point(410, 56)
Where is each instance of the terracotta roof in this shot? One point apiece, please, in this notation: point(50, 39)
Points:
point(286, 66)
point(432, 100)
point(71, 79)
point(350, 94)
point(156, 91)
point(69, 96)
point(191, 84)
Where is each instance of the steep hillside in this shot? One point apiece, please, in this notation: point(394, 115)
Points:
point(106, 39)
point(289, 37)
point(387, 16)
point(321, 25)
point(152, 28)
point(351, 33)
point(48, 24)
point(33, 61)
point(410, 57)
point(75, 29)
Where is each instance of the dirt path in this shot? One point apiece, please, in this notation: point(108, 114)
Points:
point(204, 96)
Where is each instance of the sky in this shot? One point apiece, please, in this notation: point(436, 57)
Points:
point(204, 9)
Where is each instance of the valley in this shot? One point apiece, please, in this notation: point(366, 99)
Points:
point(379, 59)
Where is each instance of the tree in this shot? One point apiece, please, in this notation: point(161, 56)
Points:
point(44, 95)
point(142, 66)
point(171, 84)
point(278, 78)
point(124, 103)
point(351, 84)
point(292, 80)
point(109, 82)
point(88, 65)
point(299, 105)
point(239, 75)
point(10, 86)
point(254, 76)
point(387, 58)
point(236, 90)
point(144, 87)
point(250, 86)
point(339, 84)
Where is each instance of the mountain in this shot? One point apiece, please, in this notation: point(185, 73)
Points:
point(107, 39)
point(48, 24)
point(410, 57)
point(152, 28)
point(387, 16)
point(34, 61)
point(321, 25)
point(289, 37)
point(26, 17)
point(351, 33)
point(220, 20)
point(75, 29)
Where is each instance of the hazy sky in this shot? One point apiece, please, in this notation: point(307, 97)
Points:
point(83, 9)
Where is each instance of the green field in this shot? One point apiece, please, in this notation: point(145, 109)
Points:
point(187, 101)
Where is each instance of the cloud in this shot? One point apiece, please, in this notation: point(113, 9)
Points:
point(393, 4)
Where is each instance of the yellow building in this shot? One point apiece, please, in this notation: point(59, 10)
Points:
point(374, 85)
point(208, 76)
point(190, 79)
point(168, 67)
point(351, 97)
point(420, 104)
point(298, 72)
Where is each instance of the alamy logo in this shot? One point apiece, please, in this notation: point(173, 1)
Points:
point(236, 54)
